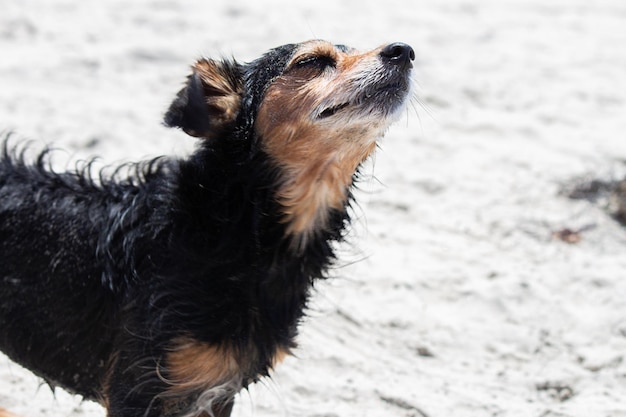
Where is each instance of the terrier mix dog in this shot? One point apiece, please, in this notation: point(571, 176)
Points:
point(166, 291)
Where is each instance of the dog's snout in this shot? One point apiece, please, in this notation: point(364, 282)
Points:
point(398, 53)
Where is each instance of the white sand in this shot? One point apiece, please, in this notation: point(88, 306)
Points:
point(462, 303)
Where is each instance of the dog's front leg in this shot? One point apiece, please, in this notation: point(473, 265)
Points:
point(133, 391)
point(134, 387)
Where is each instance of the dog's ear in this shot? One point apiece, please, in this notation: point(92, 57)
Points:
point(209, 103)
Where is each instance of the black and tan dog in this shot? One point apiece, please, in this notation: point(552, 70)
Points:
point(167, 291)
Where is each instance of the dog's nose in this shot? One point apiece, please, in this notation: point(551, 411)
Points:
point(398, 53)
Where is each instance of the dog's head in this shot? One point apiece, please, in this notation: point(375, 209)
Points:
point(295, 85)
point(314, 108)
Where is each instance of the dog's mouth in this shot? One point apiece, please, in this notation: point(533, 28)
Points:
point(386, 99)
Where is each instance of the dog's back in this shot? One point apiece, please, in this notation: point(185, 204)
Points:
point(56, 300)
point(69, 248)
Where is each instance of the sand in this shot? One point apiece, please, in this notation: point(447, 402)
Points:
point(455, 296)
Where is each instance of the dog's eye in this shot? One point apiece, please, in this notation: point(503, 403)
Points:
point(315, 62)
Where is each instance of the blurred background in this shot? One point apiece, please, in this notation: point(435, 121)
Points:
point(472, 284)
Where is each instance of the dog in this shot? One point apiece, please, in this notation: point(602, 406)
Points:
point(165, 290)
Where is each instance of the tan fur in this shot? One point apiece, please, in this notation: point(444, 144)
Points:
point(319, 156)
point(106, 383)
point(5, 413)
point(222, 96)
point(197, 366)
point(280, 356)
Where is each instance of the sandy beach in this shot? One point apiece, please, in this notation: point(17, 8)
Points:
point(456, 294)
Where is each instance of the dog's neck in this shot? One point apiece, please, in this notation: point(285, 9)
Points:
point(241, 223)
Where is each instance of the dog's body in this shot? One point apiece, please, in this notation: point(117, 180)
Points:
point(165, 293)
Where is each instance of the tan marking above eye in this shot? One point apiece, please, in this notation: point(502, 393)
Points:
point(314, 49)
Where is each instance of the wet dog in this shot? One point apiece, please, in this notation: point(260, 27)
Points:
point(166, 291)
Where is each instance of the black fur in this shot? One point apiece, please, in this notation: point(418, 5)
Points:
point(99, 274)
point(104, 272)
